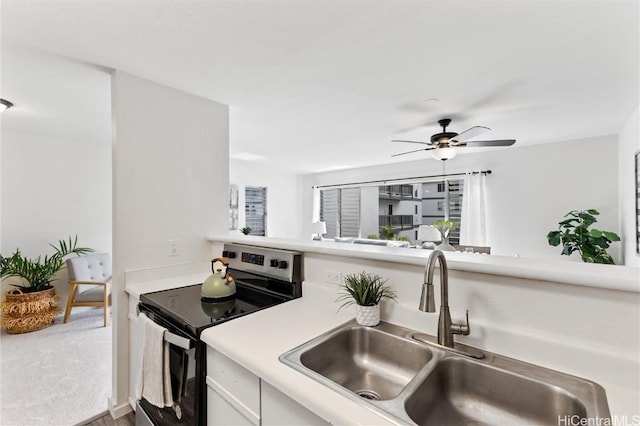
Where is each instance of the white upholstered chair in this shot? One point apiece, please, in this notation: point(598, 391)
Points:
point(90, 282)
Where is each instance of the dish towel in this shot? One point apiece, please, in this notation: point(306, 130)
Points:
point(154, 378)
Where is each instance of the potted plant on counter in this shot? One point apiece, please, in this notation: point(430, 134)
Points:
point(365, 290)
point(246, 230)
point(33, 304)
point(574, 235)
point(446, 227)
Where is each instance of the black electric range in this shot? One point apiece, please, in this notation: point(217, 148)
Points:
point(264, 278)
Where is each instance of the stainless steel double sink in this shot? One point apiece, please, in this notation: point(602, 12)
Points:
point(390, 371)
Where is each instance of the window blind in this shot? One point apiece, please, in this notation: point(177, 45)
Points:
point(340, 210)
point(255, 208)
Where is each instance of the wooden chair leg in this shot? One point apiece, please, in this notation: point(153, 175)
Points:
point(106, 304)
point(72, 295)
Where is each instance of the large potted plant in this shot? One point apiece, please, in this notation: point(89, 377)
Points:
point(33, 304)
point(365, 290)
point(575, 236)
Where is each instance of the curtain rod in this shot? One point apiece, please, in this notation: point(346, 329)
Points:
point(386, 181)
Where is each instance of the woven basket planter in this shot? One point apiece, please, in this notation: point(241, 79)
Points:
point(26, 312)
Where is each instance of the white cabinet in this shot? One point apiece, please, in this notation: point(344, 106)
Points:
point(279, 409)
point(235, 396)
point(233, 392)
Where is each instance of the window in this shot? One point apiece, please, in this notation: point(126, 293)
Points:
point(433, 204)
point(255, 209)
point(340, 210)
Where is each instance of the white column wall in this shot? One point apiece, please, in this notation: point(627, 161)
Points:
point(170, 181)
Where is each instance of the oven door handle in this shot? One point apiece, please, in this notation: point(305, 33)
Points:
point(179, 341)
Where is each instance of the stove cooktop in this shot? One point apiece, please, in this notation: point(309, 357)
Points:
point(185, 308)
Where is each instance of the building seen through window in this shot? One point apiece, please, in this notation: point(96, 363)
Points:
point(375, 212)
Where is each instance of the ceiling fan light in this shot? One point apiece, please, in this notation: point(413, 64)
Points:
point(444, 153)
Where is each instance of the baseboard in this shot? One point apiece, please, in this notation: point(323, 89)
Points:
point(133, 403)
point(120, 410)
point(89, 420)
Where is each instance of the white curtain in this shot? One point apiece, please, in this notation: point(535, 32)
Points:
point(315, 212)
point(473, 218)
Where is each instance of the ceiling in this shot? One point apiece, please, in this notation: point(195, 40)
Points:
point(320, 85)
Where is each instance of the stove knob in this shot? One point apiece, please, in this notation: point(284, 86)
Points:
point(230, 255)
point(283, 264)
point(274, 263)
point(225, 253)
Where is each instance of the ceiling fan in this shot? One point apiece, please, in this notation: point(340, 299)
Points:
point(443, 145)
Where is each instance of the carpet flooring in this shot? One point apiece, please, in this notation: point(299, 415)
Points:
point(60, 375)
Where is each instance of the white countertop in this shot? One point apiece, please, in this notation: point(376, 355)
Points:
point(614, 277)
point(256, 341)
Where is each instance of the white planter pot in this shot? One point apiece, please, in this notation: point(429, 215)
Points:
point(368, 315)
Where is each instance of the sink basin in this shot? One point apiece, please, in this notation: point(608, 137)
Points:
point(461, 392)
point(408, 378)
point(369, 362)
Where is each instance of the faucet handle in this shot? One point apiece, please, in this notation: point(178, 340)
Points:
point(462, 329)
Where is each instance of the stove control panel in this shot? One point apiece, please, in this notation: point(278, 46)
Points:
point(280, 264)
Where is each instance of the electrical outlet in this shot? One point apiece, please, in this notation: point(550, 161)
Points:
point(333, 277)
point(173, 248)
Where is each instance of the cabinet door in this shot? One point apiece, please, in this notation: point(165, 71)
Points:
point(221, 412)
point(233, 392)
point(279, 409)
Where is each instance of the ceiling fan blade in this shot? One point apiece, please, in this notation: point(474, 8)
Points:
point(470, 133)
point(415, 150)
point(400, 140)
point(500, 142)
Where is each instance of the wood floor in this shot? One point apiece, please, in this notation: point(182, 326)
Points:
point(107, 420)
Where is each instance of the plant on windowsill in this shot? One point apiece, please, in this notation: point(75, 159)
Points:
point(246, 230)
point(445, 227)
point(365, 290)
point(574, 235)
point(33, 304)
point(386, 233)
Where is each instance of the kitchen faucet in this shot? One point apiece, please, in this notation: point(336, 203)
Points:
point(446, 328)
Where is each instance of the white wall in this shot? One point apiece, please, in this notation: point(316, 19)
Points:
point(530, 190)
point(629, 143)
point(284, 195)
point(53, 189)
point(55, 155)
point(170, 181)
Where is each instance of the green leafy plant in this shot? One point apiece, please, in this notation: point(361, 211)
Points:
point(574, 235)
point(37, 273)
point(445, 226)
point(386, 232)
point(246, 230)
point(364, 289)
point(373, 236)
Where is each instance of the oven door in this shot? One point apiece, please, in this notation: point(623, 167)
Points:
point(185, 385)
